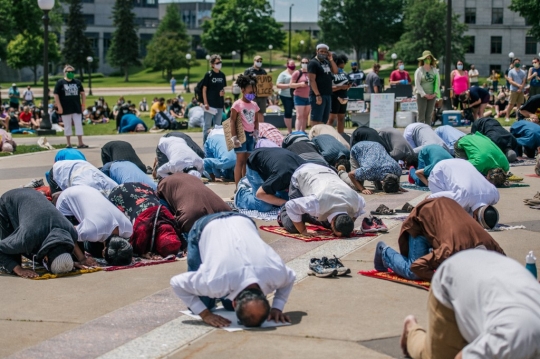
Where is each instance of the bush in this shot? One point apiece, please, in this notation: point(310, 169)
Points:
point(54, 78)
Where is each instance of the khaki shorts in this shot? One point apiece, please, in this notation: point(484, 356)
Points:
point(516, 98)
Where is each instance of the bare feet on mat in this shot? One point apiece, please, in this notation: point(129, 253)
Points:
point(410, 320)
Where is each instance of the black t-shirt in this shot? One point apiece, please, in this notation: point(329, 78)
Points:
point(275, 166)
point(478, 93)
point(255, 71)
point(177, 108)
point(323, 76)
point(214, 82)
point(502, 104)
point(340, 79)
point(69, 93)
point(532, 105)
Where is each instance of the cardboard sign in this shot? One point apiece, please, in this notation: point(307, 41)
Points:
point(382, 110)
point(265, 86)
point(356, 106)
point(409, 105)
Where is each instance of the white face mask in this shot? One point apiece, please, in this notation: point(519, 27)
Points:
point(402, 67)
point(258, 64)
point(304, 66)
point(217, 66)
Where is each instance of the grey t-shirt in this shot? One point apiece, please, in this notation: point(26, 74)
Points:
point(518, 76)
point(373, 81)
point(399, 147)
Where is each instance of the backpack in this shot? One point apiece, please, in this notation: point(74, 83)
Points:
point(164, 121)
point(198, 89)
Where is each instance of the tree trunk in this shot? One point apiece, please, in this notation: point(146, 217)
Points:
point(162, 72)
point(241, 57)
point(169, 74)
point(126, 73)
point(35, 75)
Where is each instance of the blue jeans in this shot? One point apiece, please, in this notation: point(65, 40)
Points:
point(210, 120)
point(320, 113)
point(415, 178)
point(246, 197)
point(401, 265)
point(194, 260)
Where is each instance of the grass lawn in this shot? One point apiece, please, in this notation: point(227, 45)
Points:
point(22, 149)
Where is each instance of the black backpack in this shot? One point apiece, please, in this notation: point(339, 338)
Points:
point(199, 87)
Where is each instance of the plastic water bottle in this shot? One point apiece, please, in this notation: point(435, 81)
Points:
point(530, 265)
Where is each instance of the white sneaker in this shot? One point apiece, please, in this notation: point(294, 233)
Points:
point(438, 123)
point(507, 120)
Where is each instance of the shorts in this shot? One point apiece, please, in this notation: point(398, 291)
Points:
point(301, 101)
point(248, 146)
point(261, 102)
point(516, 98)
point(337, 107)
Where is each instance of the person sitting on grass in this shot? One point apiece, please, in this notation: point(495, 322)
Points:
point(317, 196)
point(228, 260)
point(6, 142)
point(26, 120)
point(219, 162)
point(436, 229)
point(492, 129)
point(30, 226)
point(428, 157)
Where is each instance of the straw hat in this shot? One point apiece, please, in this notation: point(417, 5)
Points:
point(425, 54)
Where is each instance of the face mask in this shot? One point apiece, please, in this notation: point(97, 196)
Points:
point(322, 56)
point(227, 103)
point(460, 67)
point(304, 66)
point(536, 65)
point(70, 75)
point(402, 67)
point(98, 112)
point(250, 96)
point(427, 61)
point(258, 64)
point(217, 66)
point(291, 67)
point(518, 65)
point(354, 68)
point(124, 111)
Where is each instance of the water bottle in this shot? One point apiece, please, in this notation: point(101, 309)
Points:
point(530, 265)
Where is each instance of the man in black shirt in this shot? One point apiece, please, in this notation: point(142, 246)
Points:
point(268, 176)
point(213, 90)
point(257, 70)
point(357, 76)
point(175, 110)
point(531, 108)
point(68, 95)
point(320, 71)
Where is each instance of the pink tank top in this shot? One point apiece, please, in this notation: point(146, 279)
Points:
point(460, 83)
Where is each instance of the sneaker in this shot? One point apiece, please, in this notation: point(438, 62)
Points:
point(410, 179)
point(149, 170)
point(377, 260)
point(437, 123)
point(337, 265)
point(507, 120)
point(35, 183)
point(320, 270)
point(368, 226)
point(381, 227)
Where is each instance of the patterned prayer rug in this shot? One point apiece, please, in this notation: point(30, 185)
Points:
point(391, 276)
point(321, 233)
point(523, 161)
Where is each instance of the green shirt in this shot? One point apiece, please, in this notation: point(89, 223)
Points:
point(430, 155)
point(482, 153)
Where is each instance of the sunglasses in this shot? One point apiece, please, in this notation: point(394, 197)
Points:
point(217, 63)
point(305, 62)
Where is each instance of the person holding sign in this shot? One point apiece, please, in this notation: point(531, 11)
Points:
point(426, 82)
point(247, 111)
point(321, 71)
point(257, 70)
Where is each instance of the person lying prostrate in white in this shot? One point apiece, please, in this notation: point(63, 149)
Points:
point(71, 173)
point(180, 157)
point(98, 218)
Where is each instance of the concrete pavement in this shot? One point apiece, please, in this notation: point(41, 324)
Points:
point(133, 313)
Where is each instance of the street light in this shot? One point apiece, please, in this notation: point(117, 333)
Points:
point(511, 56)
point(90, 60)
point(290, 22)
point(394, 57)
point(207, 63)
point(233, 55)
point(447, 101)
point(270, 47)
point(188, 58)
point(45, 126)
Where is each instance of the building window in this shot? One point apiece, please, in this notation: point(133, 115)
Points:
point(145, 3)
point(144, 39)
point(496, 44)
point(497, 68)
point(470, 15)
point(146, 22)
point(88, 19)
point(107, 36)
point(469, 44)
point(93, 37)
point(530, 46)
point(88, 1)
point(497, 15)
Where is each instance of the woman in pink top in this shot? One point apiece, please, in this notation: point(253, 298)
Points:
point(246, 110)
point(299, 82)
point(460, 83)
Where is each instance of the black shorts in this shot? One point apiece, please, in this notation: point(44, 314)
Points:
point(337, 107)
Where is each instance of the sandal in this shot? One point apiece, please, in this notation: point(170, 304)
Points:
point(383, 210)
point(407, 208)
point(513, 178)
point(82, 146)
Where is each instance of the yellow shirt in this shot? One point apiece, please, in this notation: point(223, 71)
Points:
point(156, 108)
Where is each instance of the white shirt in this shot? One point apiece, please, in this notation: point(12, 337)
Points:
point(70, 173)
point(233, 256)
point(179, 154)
point(473, 75)
point(217, 130)
point(496, 303)
point(97, 216)
point(458, 180)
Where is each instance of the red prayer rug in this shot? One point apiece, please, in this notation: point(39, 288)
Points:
point(391, 276)
point(320, 233)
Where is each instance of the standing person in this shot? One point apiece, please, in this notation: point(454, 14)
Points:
point(213, 93)
point(356, 75)
point(400, 76)
point(321, 69)
point(173, 84)
point(340, 85)
point(476, 98)
point(14, 96)
point(495, 80)
point(373, 81)
point(517, 79)
point(283, 84)
point(426, 82)
point(473, 76)
point(460, 83)
point(257, 70)
point(245, 110)
point(506, 75)
point(534, 77)
point(70, 99)
point(186, 83)
point(28, 96)
point(300, 85)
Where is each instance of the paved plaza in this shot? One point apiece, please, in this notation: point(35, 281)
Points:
point(134, 313)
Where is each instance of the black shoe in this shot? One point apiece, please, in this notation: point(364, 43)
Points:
point(319, 269)
point(149, 170)
point(35, 183)
point(337, 265)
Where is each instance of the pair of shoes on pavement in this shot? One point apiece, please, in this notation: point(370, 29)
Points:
point(373, 224)
point(324, 267)
point(35, 183)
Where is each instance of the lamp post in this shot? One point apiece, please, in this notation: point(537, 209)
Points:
point(270, 47)
point(394, 57)
point(90, 60)
point(233, 55)
point(188, 58)
point(45, 126)
point(447, 101)
point(290, 28)
point(511, 56)
point(207, 63)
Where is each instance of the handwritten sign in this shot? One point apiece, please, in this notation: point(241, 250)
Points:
point(409, 105)
point(356, 106)
point(382, 110)
point(265, 86)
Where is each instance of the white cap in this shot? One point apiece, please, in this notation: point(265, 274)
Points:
point(85, 112)
point(530, 259)
point(321, 46)
point(14, 84)
point(62, 264)
point(195, 173)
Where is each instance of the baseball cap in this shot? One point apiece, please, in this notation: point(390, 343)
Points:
point(354, 63)
point(258, 57)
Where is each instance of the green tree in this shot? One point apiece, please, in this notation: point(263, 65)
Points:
point(425, 29)
point(124, 49)
point(307, 48)
point(26, 50)
point(530, 10)
point(360, 25)
point(246, 26)
point(168, 48)
point(77, 46)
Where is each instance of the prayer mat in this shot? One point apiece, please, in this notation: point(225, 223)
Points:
point(391, 276)
point(504, 227)
point(523, 161)
point(136, 263)
point(265, 216)
point(513, 184)
point(533, 176)
point(408, 185)
point(323, 234)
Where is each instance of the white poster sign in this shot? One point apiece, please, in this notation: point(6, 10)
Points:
point(382, 110)
point(409, 105)
point(356, 106)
